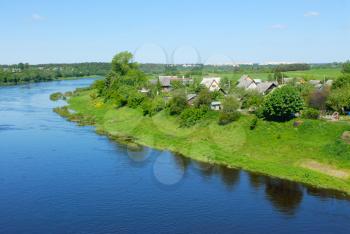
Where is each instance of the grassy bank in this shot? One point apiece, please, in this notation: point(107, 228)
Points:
point(311, 153)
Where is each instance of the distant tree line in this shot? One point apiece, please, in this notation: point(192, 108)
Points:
point(26, 73)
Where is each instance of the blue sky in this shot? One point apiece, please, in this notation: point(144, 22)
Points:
point(175, 31)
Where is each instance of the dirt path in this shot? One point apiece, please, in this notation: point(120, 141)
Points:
point(326, 169)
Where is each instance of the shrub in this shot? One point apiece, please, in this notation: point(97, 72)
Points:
point(135, 99)
point(318, 98)
point(253, 123)
point(177, 103)
point(191, 116)
point(310, 113)
point(282, 104)
point(252, 99)
point(204, 98)
point(151, 107)
point(56, 96)
point(339, 99)
point(228, 117)
point(229, 111)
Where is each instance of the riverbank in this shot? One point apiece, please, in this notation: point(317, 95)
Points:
point(312, 153)
point(59, 79)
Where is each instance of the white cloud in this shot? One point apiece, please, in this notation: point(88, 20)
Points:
point(37, 17)
point(279, 26)
point(312, 14)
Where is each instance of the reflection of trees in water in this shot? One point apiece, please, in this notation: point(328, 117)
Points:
point(181, 161)
point(327, 194)
point(229, 176)
point(256, 180)
point(284, 195)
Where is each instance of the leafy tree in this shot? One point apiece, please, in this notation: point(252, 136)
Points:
point(339, 99)
point(342, 81)
point(122, 63)
point(177, 103)
point(204, 98)
point(346, 68)
point(318, 98)
point(191, 116)
point(252, 99)
point(282, 104)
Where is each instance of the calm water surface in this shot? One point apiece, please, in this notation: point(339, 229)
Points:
point(56, 177)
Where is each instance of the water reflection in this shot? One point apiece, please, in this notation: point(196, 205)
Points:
point(285, 196)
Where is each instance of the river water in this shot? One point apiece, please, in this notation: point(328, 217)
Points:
point(56, 177)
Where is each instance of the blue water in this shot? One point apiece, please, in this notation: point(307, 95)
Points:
point(56, 177)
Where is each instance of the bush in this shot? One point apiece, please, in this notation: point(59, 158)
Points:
point(310, 113)
point(152, 107)
point(177, 103)
point(135, 99)
point(252, 99)
point(204, 98)
point(56, 96)
point(282, 104)
point(229, 111)
point(339, 99)
point(191, 116)
point(253, 123)
point(228, 117)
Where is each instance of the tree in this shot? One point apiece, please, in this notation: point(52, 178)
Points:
point(122, 63)
point(317, 99)
point(339, 99)
point(204, 98)
point(177, 103)
point(342, 81)
point(346, 67)
point(282, 104)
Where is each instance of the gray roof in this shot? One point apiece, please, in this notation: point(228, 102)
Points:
point(163, 80)
point(245, 81)
point(216, 103)
point(191, 96)
point(265, 86)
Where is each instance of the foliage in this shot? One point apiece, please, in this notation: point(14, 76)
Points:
point(342, 81)
point(253, 123)
point(282, 104)
point(229, 111)
point(204, 98)
point(346, 67)
point(25, 73)
point(339, 99)
point(190, 116)
point(56, 96)
point(310, 113)
point(152, 106)
point(122, 64)
point(135, 99)
point(318, 98)
point(252, 99)
point(177, 103)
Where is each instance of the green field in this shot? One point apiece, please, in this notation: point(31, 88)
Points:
point(312, 74)
point(276, 149)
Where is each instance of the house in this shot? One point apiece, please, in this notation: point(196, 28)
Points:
point(266, 87)
point(246, 82)
point(212, 83)
point(191, 98)
point(165, 82)
point(216, 106)
point(257, 81)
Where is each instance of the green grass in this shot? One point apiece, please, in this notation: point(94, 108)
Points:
point(316, 74)
point(276, 149)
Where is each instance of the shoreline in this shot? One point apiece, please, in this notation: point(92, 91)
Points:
point(127, 126)
point(42, 81)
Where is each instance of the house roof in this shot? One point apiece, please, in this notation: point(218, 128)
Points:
point(314, 82)
point(245, 81)
point(216, 103)
point(265, 86)
point(208, 81)
point(191, 96)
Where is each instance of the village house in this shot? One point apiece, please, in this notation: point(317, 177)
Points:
point(248, 83)
point(211, 83)
point(165, 82)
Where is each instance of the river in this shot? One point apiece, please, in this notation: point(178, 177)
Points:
point(57, 177)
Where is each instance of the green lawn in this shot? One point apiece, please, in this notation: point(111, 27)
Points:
point(276, 149)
